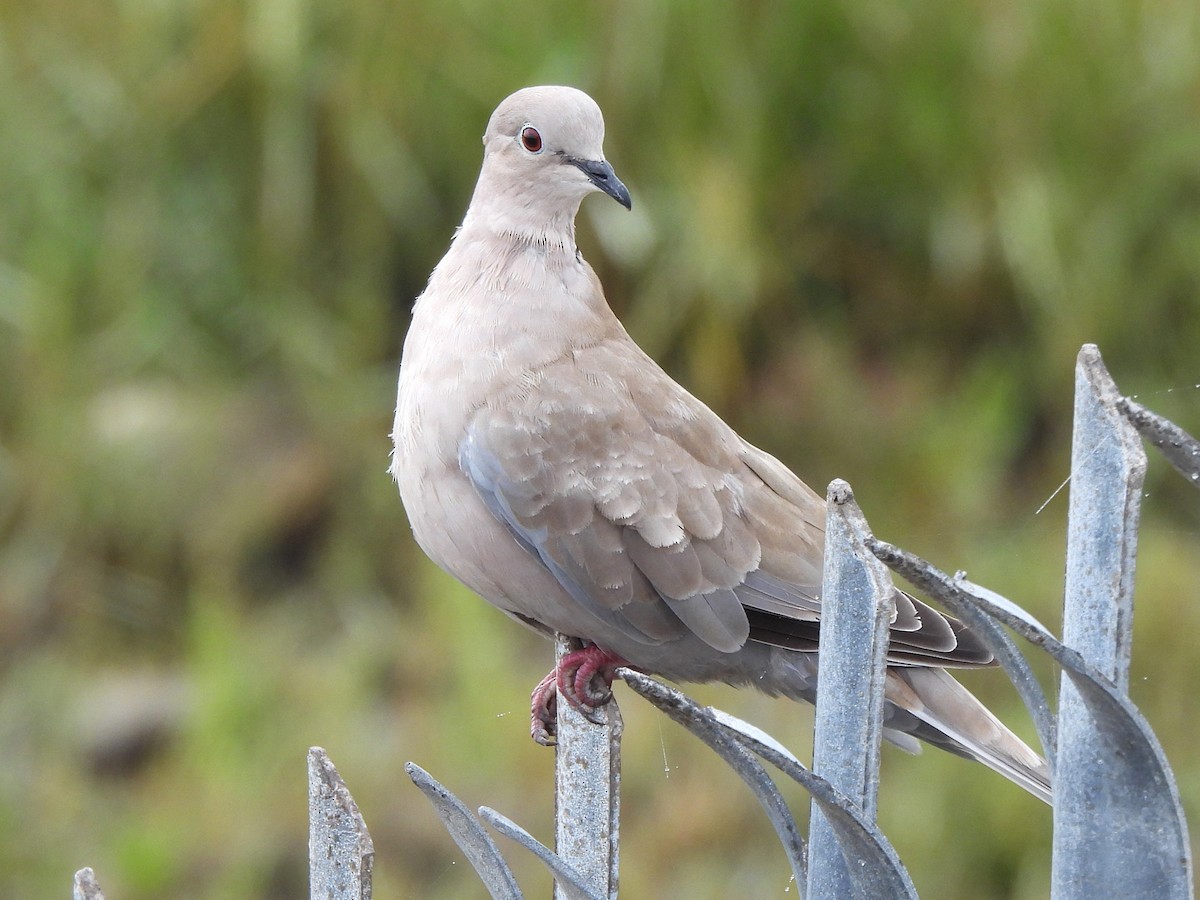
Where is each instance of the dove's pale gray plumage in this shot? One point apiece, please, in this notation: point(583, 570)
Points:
point(549, 464)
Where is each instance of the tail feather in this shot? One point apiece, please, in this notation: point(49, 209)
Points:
point(941, 712)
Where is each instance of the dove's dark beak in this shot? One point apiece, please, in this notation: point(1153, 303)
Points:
point(601, 174)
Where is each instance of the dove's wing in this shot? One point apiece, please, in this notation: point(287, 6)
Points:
point(637, 529)
point(656, 517)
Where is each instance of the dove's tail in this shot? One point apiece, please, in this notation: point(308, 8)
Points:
point(929, 704)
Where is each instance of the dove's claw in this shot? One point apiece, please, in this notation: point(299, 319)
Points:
point(543, 719)
point(585, 678)
point(588, 673)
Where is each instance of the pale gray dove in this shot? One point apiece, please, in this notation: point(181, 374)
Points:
point(551, 466)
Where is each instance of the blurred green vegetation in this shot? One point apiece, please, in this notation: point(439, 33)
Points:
point(873, 236)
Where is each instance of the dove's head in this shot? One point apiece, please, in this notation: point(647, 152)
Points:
point(543, 153)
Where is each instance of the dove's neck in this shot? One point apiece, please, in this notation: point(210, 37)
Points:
point(534, 214)
point(498, 295)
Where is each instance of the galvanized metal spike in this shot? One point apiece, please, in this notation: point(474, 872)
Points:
point(340, 852)
point(1145, 810)
point(587, 790)
point(857, 607)
point(567, 879)
point(879, 872)
point(1179, 448)
point(705, 726)
point(469, 834)
point(86, 887)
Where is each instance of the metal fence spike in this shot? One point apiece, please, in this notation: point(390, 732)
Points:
point(880, 873)
point(1108, 468)
point(1118, 825)
point(753, 735)
point(705, 726)
point(587, 789)
point(1142, 794)
point(1179, 448)
point(86, 886)
point(567, 879)
point(340, 852)
point(857, 607)
point(1139, 779)
point(474, 841)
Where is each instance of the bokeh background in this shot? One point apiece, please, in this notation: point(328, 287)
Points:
point(871, 235)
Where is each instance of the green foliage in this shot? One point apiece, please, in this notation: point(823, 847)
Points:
point(871, 235)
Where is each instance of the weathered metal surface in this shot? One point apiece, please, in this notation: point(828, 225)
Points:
point(878, 871)
point(469, 834)
point(1108, 467)
point(856, 610)
point(340, 852)
point(587, 782)
point(1178, 447)
point(704, 725)
point(1093, 854)
point(86, 887)
point(1150, 823)
point(569, 882)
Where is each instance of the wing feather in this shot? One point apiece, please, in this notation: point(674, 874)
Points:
point(657, 519)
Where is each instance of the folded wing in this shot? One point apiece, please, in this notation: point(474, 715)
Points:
point(657, 519)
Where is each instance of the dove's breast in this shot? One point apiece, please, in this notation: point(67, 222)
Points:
point(486, 327)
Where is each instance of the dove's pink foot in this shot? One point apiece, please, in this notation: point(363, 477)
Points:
point(584, 677)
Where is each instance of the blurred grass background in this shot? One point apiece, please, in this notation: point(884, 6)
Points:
point(871, 236)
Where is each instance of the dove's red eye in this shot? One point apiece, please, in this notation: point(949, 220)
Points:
point(531, 140)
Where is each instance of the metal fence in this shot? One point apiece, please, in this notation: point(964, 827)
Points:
point(1119, 828)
